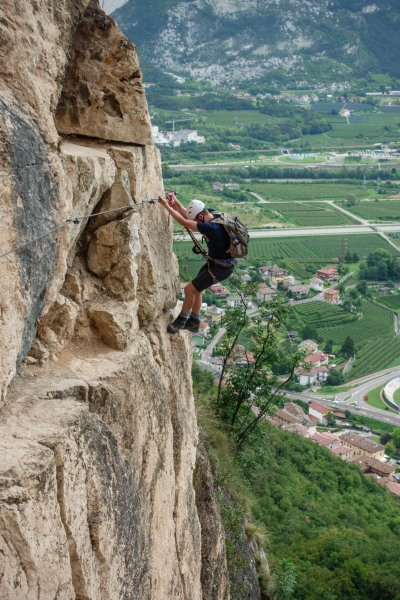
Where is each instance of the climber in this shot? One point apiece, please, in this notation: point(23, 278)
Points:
point(219, 265)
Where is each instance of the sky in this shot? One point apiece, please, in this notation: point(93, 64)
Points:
point(110, 5)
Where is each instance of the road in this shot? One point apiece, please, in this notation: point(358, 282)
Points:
point(353, 399)
point(311, 231)
point(224, 166)
point(207, 352)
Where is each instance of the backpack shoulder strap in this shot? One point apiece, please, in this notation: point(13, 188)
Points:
point(218, 217)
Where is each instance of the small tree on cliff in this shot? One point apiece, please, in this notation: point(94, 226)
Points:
point(248, 390)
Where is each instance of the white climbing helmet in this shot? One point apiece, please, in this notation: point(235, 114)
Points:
point(195, 207)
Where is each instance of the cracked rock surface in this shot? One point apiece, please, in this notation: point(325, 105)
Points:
point(98, 432)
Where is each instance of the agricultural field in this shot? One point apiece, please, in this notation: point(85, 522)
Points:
point(297, 252)
point(370, 129)
point(260, 215)
point(312, 214)
point(298, 190)
point(375, 356)
point(315, 250)
point(302, 159)
point(373, 333)
point(332, 322)
point(392, 301)
point(235, 118)
point(254, 214)
point(322, 314)
point(382, 210)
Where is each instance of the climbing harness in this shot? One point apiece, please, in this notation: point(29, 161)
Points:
point(75, 221)
point(198, 248)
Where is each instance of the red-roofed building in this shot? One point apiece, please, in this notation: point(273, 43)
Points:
point(339, 415)
point(294, 409)
point(240, 356)
point(219, 290)
point(285, 418)
point(313, 419)
point(318, 410)
point(247, 358)
point(295, 423)
point(307, 377)
point(332, 296)
point(343, 452)
point(316, 374)
point(325, 439)
point(328, 273)
point(393, 487)
point(317, 359)
point(297, 428)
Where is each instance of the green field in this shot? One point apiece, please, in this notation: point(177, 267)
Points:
point(373, 333)
point(374, 323)
point(235, 118)
point(315, 250)
point(311, 214)
point(296, 251)
point(260, 215)
point(376, 355)
point(298, 190)
point(392, 302)
point(252, 213)
point(364, 129)
point(321, 315)
point(384, 210)
point(302, 159)
point(370, 131)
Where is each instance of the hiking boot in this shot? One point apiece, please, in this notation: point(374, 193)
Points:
point(193, 325)
point(176, 325)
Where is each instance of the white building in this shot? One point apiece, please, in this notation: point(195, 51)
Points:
point(176, 138)
point(319, 411)
point(238, 302)
point(317, 284)
point(315, 375)
point(265, 293)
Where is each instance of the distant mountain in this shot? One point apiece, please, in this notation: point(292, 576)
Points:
point(232, 41)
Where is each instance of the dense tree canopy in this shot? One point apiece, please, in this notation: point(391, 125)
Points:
point(340, 529)
point(381, 265)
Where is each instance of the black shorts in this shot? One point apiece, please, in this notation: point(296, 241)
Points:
point(205, 278)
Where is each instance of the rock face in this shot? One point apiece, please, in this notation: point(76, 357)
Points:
point(103, 95)
point(98, 433)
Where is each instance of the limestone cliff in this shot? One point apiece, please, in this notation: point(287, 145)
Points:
point(98, 434)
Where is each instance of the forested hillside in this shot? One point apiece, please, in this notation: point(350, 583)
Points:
point(339, 529)
point(331, 533)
